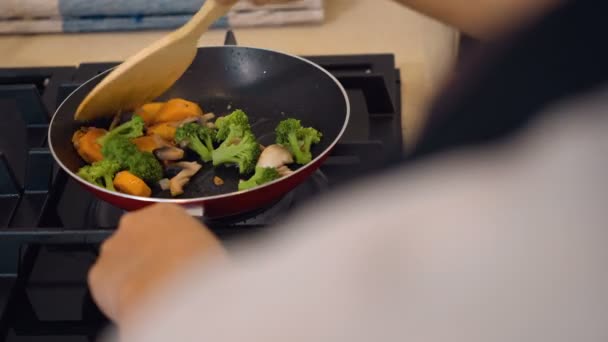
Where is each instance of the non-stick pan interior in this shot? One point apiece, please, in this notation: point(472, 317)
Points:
point(267, 85)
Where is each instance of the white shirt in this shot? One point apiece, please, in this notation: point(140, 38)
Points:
point(506, 243)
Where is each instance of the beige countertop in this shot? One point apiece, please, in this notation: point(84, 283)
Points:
point(423, 48)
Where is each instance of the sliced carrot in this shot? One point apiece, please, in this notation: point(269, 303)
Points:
point(177, 110)
point(149, 111)
point(146, 143)
point(128, 183)
point(85, 142)
point(164, 130)
point(78, 135)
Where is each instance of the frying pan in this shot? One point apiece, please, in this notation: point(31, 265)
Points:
point(268, 85)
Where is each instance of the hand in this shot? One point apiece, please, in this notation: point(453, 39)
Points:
point(149, 247)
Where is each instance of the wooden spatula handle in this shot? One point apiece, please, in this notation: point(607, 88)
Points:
point(149, 73)
point(211, 11)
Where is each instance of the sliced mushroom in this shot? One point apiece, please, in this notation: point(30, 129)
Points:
point(169, 153)
point(165, 184)
point(275, 156)
point(176, 184)
point(190, 120)
point(189, 169)
point(205, 120)
point(185, 121)
point(284, 171)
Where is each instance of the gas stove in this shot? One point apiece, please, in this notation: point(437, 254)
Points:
point(50, 228)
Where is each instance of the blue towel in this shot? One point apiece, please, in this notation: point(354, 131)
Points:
point(84, 8)
point(105, 24)
point(56, 16)
point(30, 9)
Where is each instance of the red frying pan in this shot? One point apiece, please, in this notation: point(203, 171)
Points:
point(268, 85)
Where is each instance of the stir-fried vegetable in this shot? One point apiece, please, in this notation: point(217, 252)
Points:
point(119, 149)
point(238, 144)
point(177, 110)
point(85, 142)
point(145, 166)
point(128, 183)
point(261, 176)
point(165, 130)
point(297, 139)
point(275, 156)
point(232, 126)
point(149, 111)
point(131, 129)
point(100, 173)
point(188, 169)
point(126, 160)
point(197, 138)
point(243, 152)
point(147, 143)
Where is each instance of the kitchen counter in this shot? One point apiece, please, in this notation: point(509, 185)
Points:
point(424, 49)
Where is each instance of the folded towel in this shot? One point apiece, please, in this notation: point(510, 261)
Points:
point(31, 9)
point(106, 24)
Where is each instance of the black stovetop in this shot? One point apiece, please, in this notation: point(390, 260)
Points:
point(50, 228)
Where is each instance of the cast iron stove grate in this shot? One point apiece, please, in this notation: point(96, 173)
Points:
point(46, 219)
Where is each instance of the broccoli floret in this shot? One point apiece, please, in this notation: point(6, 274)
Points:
point(133, 128)
point(119, 149)
point(124, 152)
point(197, 138)
point(228, 123)
point(100, 173)
point(145, 166)
point(297, 139)
point(261, 176)
point(310, 136)
point(236, 133)
point(243, 152)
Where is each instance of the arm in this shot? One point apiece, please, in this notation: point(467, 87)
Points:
point(483, 18)
point(451, 251)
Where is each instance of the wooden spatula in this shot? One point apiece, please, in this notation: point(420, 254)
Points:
point(149, 73)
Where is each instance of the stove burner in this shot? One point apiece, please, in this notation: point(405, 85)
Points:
point(104, 215)
point(315, 185)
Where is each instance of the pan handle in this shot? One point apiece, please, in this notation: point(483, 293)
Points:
point(230, 38)
point(195, 210)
